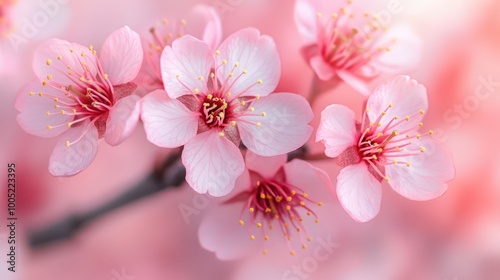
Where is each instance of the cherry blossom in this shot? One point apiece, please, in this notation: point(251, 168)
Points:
point(386, 145)
point(270, 202)
point(82, 97)
point(218, 99)
point(203, 23)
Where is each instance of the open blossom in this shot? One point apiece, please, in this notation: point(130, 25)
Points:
point(82, 96)
point(271, 202)
point(217, 99)
point(203, 23)
point(387, 145)
point(353, 44)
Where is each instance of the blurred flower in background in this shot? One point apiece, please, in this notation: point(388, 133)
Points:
point(203, 22)
point(5, 16)
point(351, 42)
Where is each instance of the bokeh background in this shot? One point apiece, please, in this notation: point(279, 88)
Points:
point(454, 237)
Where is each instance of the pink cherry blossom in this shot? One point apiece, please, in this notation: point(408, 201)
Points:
point(82, 96)
point(203, 23)
point(386, 145)
point(217, 99)
point(271, 202)
point(353, 44)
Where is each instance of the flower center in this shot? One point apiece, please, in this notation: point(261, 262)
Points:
point(215, 111)
point(345, 46)
point(381, 143)
point(89, 96)
point(217, 104)
point(277, 202)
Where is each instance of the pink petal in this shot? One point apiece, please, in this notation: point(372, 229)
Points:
point(121, 56)
point(183, 64)
point(302, 174)
point(284, 127)
point(124, 90)
point(212, 33)
point(407, 97)
point(150, 74)
point(306, 20)
point(255, 53)
point(70, 55)
point(68, 161)
point(357, 83)
point(122, 120)
point(33, 109)
point(167, 122)
point(359, 192)
point(212, 163)
point(404, 54)
point(221, 233)
point(324, 71)
point(428, 173)
point(337, 129)
point(265, 166)
point(310, 51)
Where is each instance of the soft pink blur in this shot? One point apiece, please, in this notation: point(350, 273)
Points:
point(455, 236)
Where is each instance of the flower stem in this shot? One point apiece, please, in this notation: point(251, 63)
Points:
point(170, 174)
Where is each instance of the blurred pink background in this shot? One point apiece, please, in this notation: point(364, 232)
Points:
point(456, 236)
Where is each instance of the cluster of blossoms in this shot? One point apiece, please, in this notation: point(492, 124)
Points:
point(217, 100)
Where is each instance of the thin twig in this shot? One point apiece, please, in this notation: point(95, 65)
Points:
point(170, 174)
